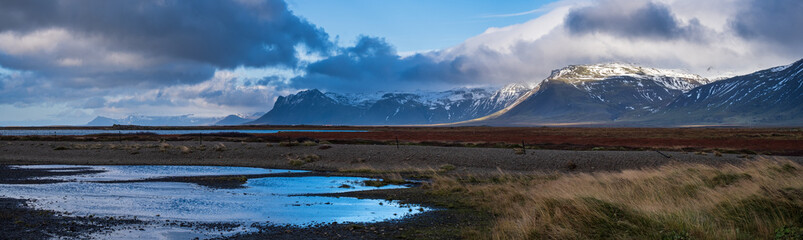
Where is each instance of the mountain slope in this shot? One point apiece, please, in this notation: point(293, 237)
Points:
point(101, 121)
point(308, 107)
point(768, 97)
point(597, 94)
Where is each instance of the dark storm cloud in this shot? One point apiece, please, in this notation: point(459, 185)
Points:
point(652, 20)
point(373, 64)
point(776, 21)
point(193, 37)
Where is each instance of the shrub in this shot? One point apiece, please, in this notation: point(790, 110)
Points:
point(519, 150)
point(295, 162)
point(220, 147)
point(446, 168)
point(185, 149)
point(309, 143)
point(789, 232)
point(311, 157)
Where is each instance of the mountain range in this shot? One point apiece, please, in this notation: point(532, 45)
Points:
point(611, 94)
point(315, 107)
point(627, 95)
point(182, 120)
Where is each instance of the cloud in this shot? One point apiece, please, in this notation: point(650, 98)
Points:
point(630, 19)
point(222, 95)
point(776, 22)
point(111, 43)
point(666, 34)
point(374, 65)
point(172, 57)
point(110, 56)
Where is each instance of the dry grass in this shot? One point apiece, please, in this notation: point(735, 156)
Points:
point(299, 160)
point(756, 200)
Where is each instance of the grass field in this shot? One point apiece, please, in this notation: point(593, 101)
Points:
point(757, 200)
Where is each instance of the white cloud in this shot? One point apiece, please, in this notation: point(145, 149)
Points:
point(702, 43)
point(222, 95)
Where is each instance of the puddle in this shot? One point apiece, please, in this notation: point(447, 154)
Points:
point(263, 200)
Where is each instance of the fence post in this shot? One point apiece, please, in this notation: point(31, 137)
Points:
point(523, 148)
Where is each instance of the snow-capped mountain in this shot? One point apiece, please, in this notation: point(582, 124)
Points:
point(315, 107)
point(598, 93)
point(622, 94)
point(669, 78)
point(237, 119)
point(182, 120)
point(142, 120)
point(769, 97)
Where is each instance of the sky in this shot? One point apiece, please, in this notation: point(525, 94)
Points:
point(65, 62)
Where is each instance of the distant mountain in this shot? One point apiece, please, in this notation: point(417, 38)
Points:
point(237, 119)
point(102, 121)
point(769, 97)
point(600, 93)
point(316, 107)
point(141, 120)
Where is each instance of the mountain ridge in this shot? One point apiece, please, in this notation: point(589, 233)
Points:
point(574, 95)
point(393, 108)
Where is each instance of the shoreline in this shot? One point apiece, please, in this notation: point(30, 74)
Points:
point(19, 218)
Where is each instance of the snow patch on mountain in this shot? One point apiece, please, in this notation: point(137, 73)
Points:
point(669, 78)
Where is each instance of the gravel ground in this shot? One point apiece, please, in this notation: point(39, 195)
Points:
point(338, 157)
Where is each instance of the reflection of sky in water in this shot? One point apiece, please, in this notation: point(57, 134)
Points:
point(144, 172)
point(263, 200)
